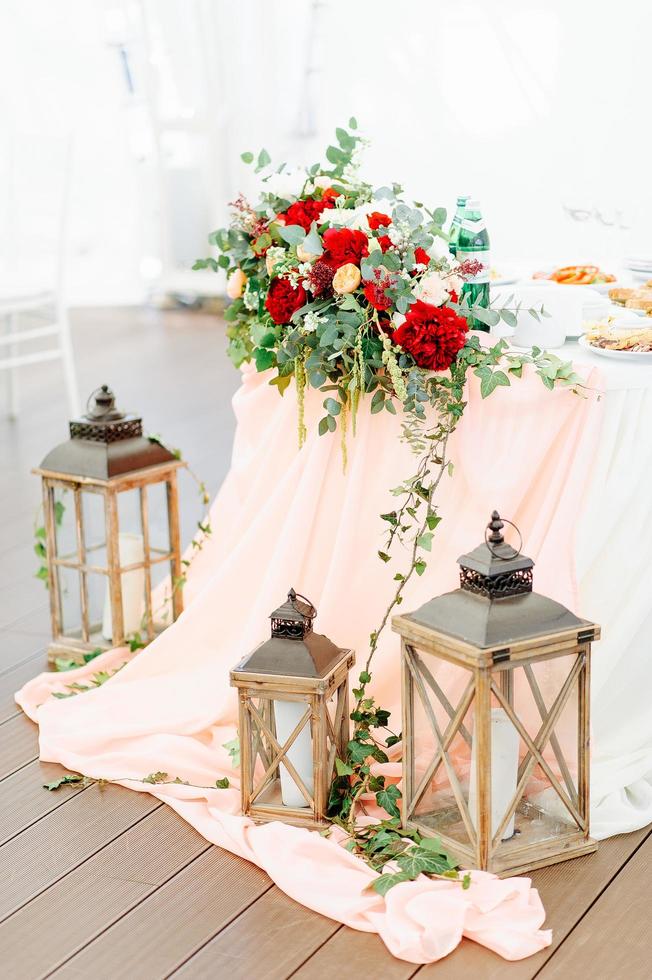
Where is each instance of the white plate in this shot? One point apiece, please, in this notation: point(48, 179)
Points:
point(504, 281)
point(600, 287)
point(638, 356)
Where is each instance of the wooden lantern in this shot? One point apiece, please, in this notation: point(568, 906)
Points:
point(495, 690)
point(111, 518)
point(293, 718)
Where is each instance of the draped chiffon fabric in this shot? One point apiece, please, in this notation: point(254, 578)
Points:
point(288, 517)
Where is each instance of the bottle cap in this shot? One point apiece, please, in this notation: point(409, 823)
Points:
point(461, 201)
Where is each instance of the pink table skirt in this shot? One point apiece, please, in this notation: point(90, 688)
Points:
point(292, 518)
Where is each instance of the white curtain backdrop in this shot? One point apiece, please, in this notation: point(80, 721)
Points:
point(530, 105)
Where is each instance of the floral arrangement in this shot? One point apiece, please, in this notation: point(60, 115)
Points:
point(352, 291)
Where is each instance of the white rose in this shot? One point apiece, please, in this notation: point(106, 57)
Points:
point(432, 289)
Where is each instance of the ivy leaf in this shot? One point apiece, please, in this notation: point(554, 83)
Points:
point(387, 798)
point(233, 748)
point(365, 677)
point(281, 382)
point(432, 521)
point(70, 777)
point(425, 540)
point(222, 783)
point(383, 883)
point(420, 567)
point(156, 777)
point(343, 768)
point(265, 359)
point(420, 860)
point(358, 751)
point(384, 556)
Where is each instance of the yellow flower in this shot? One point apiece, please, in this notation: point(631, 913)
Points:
point(304, 255)
point(346, 279)
point(236, 284)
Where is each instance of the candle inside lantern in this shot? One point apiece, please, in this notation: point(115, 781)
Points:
point(287, 715)
point(504, 772)
point(131, 550)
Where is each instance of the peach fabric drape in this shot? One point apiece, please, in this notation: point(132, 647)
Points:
point(285, 518)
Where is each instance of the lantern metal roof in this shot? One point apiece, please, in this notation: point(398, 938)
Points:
point(105, 443)
point(495, 604)
point(293, 649)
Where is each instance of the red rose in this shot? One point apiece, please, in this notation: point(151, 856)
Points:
point(284, 299)
point(433, 335)
point(303, 213)
point(374, 291)
point(343, 245)
point(385, 242)
point(377, 218)
point(420, 255)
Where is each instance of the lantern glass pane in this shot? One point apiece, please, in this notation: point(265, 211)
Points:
point(129, 518)
point(94, 524)
point(440, 781)
point(161, 591)
point(544, 699)
point(157, 507)
point(277, 787)
point(64, 524)
point(69, 602)
point(99, 614)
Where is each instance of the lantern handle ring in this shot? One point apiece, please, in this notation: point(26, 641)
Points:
point(516, 551)
point(297, 595)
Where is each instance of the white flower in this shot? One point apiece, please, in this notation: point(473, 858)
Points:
point(287, 184)
point(433, 289)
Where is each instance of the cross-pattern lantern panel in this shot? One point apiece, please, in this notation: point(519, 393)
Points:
point(494, 763)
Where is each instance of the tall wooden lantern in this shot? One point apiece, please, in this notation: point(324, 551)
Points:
point(293, 718)
point(495, 688)
point(111, 531)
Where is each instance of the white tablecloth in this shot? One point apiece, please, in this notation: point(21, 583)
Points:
point(614, 571)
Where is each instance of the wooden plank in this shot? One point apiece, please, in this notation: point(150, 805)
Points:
point(162, 932)
point(613, 938)
point(18, 646)
point(354, 954)
point(23, 800)
point(50, 848)
point(84, 903)
point(567, 891)
point(267, 942)
point(12, 680)
point(18, 744)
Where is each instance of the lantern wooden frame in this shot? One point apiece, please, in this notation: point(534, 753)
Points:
point(89, 634)
point(261, 755)
point(490, 673)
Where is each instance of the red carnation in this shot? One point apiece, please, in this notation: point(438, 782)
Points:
point(433, 335)
point(303, 213)
point(344, 245)
point(329, 195)
point(374, 291)
point(385, 242)
point(284, 299)
point(421, 256)
point(377, 218)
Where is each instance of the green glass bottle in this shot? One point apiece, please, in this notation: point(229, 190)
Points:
point(473, 243)
point(454, 230)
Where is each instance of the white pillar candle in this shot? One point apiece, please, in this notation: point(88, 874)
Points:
point(287, 715)
point(131, 550)
point(504, 772)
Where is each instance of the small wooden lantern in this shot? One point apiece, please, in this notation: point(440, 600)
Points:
point(293, 719)
point(111, 518)
point(495, 690)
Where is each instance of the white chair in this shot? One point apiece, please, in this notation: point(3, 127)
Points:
point(34, 325)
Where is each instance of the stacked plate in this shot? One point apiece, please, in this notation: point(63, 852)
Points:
point(640, 266)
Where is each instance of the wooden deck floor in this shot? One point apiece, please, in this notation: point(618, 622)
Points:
point(110, 883)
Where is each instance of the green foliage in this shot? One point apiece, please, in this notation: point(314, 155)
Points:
point(233, 748)
point(69, 779)
point(222, 783)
